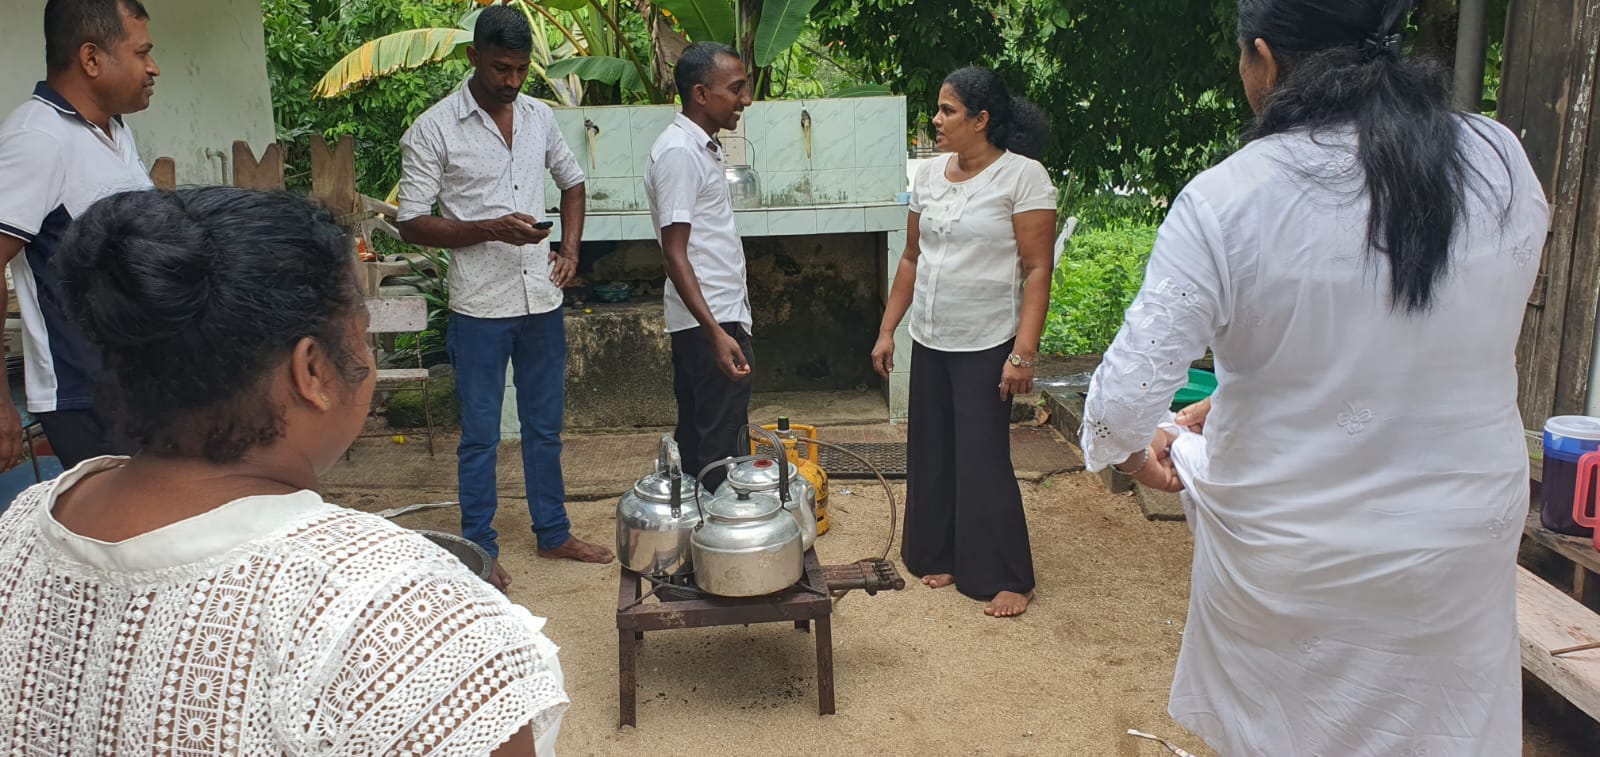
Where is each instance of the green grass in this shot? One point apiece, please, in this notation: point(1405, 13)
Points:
point(1093, 286)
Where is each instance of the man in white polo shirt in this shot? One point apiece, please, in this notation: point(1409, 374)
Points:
point(707, 300)
point(481, 154)
point(60, 151)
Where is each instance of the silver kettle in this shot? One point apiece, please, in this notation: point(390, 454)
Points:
point(656, 517)
point(759, 478)
point(748, 544)
point(744, 184)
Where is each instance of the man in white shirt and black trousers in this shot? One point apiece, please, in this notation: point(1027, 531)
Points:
point(481, 154)
point(707, 300)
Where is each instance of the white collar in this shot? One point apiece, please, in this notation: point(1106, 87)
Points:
point(697, 134)
point(188, 541)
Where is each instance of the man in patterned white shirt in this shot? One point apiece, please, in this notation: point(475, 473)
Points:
point(480, 153)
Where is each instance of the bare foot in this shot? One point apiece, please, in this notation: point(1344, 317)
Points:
point(580, 550)
point(1008, 604)
point(938, 580)
point(499, 578)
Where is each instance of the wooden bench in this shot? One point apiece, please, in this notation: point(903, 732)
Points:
point(1575, 549)
point(1548, 619)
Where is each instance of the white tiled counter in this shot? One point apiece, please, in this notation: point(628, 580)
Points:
point(829, 166)
point(849, 218)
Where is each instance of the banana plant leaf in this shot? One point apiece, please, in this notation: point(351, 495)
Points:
point(779, 28)
point(864, 90)
point(393, 52)
point(702, 20)
point(600, 68)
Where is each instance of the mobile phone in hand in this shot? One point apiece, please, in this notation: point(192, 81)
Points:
point(544, 224)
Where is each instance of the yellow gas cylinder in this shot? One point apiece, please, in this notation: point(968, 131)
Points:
point(806, 459)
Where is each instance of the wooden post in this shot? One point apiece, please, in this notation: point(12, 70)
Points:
point(265, 174)
point(1547, 99)
point(333, 176)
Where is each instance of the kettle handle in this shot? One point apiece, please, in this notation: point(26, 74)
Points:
point(778, 452)
point(670, 462)
point(1587, 464)
point(726, 462)
point(748, 145)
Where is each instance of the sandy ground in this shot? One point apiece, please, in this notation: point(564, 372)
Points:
point(919, 672)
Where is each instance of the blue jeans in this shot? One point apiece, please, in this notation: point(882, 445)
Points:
point(536, 347)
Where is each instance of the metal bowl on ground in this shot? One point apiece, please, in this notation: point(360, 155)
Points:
point(470, 554)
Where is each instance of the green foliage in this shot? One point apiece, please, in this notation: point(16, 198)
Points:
point(702, 20)
point(913, 44)
point(307, 37)
point(601, 68)
point(782, 22)
point(1094, 284)
point(430, 342)
point(1141, 95)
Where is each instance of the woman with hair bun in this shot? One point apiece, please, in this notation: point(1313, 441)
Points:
point(200, 597)
point(975, 279)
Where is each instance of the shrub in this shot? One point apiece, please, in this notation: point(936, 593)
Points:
point(1093, 286)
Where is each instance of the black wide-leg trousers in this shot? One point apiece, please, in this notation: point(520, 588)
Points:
point(963, 506)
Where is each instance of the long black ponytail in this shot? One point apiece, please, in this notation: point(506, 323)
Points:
point(1341, 64)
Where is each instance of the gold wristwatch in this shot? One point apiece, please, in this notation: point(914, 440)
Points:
point(1017, 361)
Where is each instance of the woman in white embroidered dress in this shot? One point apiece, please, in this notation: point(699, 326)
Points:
point(979, 228)
point(1359, 271)
point(200, 598)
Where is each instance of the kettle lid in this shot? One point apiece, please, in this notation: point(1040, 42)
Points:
point(731, 507)
point(755, 475)
point(657, 487)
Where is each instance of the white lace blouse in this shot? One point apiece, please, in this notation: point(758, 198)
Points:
point(271, 625)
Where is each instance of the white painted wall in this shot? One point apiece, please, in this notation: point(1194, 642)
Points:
point(213, 87)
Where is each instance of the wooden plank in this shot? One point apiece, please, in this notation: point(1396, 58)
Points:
point(1548, 619)
point(1540, 83)
point(1540, 352)
point(265, 174)
point(1579, 550)
point(1549, 32)
point(164, 173)
point(333, 176)
point(1583, 298)
point(1516, 54)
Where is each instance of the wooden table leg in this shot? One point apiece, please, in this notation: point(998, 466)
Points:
point(627, 679)
point(824, 665)
point(802, 625)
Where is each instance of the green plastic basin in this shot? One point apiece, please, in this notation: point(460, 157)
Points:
point(1201, 384)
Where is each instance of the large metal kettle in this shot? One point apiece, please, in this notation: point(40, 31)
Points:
point(759, 478)
point(748, 545)
point(656, 518)
point(744, 184)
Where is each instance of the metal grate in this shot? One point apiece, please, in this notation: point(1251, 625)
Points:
point(888, 457)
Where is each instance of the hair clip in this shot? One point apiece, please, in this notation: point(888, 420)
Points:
point(1376, 44)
